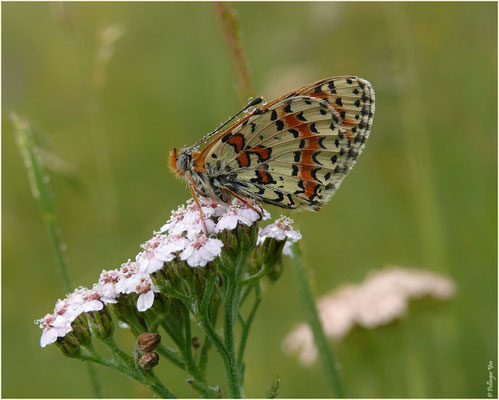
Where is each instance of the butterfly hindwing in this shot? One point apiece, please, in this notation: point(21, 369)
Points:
point(295, 151)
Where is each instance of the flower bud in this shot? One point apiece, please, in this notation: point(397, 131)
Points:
point(68, 345)
point(272, 250)
point(149, 360)
point(161, 305)
point(101, 323)
point(276, 271)
point(160, 279)
point(147, 341)
point(81, 329)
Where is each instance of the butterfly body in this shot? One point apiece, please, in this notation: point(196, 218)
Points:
point(292, 152)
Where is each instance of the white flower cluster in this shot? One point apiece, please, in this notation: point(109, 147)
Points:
point(66, 311)
point(381, 298)
point(281, 229)
point(183, 237)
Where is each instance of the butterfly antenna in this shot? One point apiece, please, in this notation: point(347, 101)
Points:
point(252, 103)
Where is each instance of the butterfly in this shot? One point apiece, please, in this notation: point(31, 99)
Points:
point(293, 152)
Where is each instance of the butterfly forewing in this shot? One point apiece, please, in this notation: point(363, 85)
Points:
point(296, 151)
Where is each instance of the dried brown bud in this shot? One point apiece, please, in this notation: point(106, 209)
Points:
point(149, 360)
point(195, 342)
point(148, 341)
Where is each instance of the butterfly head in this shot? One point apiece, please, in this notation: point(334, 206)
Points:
point(180, 162)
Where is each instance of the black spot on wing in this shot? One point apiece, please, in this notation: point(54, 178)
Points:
point(226, 137)
point(280, 196)
point(300, 117)
point(294, 132)
point(314, 157)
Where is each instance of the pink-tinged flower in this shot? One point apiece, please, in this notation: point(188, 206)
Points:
point(145, 288)
point(66, 311)
point(188, 218)
point(238, 213)
point(148, 262)
point(53, 327)
point(380, 299)
point(281, 229)
point(127, 271)
point(201, 250)
point(91, 301)
point(195, 224)
point(169, 247)
point(210, 208)
point(106, 287)
point(175, 224)
point(80, 301)
point(133, 281)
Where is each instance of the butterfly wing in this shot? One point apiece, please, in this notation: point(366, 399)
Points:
point(296, 151)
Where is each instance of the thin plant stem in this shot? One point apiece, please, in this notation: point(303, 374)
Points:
point(230, 24)
point(232, 371)
point(324, 348)
point(200, 383)
point(246, 326)
point(231, 299)
point(43, 194)
point(94, 381)
point(203, 356)
point(170, 355)
point(148, 378)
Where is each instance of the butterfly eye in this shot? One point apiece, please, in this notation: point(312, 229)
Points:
point(183, 161)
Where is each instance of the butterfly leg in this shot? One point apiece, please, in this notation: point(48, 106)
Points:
point(259, 212)
point(194, 195)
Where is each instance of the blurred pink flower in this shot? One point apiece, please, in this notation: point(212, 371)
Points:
point(378, 300)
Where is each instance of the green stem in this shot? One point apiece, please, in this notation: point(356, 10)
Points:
point(324, 348)
point(231, 299)
point(148, 379)
point(203, 357)
point(260, 274)
point(246, 327)
point(42, 193)
point(170, 355)
point(230, 25)
point(231, 367)
point(172, 334)
point(212, 315)
point(191, 366)
point(92, 373)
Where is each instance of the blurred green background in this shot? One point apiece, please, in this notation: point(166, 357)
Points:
point(424, 194)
